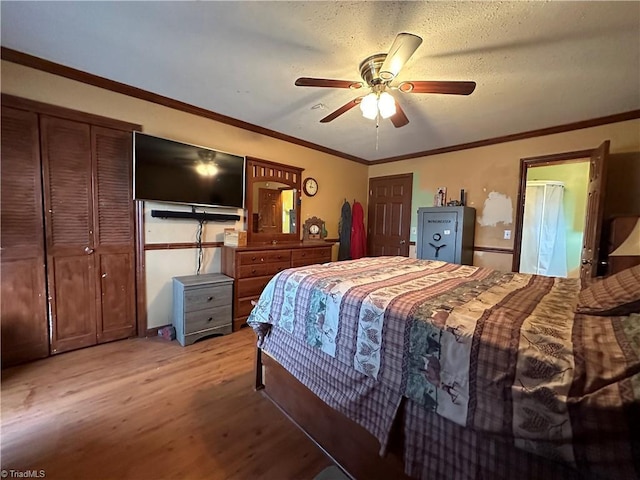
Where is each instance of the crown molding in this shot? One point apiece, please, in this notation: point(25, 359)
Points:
point(47, 66)
point(594, 122)
point(41, 64)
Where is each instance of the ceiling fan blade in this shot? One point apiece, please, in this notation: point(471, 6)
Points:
point(401, 50)
point(451, 88)
point(399, 119)
point(345, 108)
point(325, 82)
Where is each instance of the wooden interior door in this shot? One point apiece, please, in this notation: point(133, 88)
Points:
point(270, 211)
point(114, 233)
point(25, 335)
point(389, 215)
point(66, 156)
point(595, 209)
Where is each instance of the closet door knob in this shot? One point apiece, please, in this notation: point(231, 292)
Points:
point(88, 250)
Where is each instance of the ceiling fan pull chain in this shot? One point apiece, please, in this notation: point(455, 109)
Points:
point(377, 130)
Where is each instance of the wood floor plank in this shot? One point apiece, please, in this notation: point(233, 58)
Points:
point(148, 408)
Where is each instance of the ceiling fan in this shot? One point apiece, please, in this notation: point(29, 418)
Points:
point(378, 71)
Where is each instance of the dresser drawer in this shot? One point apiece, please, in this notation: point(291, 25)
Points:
point(256, 258)
point(245, 306)
point(263, 269)
point(250, 287)
point(209, 318)
point(309, 256)
point(209, 296)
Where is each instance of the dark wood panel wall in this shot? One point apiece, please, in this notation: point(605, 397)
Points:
point(622, 195)
point(621, 205)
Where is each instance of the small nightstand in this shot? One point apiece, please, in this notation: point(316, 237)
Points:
point(201, 306)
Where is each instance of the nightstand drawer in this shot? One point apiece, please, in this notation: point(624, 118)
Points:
point(256, 258)
point(207, 297)
point(209, 318)
point(264, 269)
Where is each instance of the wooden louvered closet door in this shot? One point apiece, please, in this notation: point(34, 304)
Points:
point(23, 291)
point(114, 235)
point(89, 224)
point(66, 155)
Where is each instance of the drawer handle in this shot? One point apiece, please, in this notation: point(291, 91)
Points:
point(253, 270)
point(262, 259)
point(253, 258)
point(209, 319)
point(304, 254)
point(209, 299)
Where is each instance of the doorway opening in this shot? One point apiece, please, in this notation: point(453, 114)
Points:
point(553, 223)
point(556, 213)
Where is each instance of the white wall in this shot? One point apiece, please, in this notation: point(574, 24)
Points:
point(163, 265)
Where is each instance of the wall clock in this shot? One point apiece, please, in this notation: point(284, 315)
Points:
point(310, 186)
point(313, 230)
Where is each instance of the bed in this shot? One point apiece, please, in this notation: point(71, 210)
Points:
point(426, 369)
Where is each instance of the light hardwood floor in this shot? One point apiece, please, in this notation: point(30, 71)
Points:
point(150, 409)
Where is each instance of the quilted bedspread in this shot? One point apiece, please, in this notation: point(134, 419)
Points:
point(501, 353)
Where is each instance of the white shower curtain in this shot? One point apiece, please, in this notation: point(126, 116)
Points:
point(544, 245)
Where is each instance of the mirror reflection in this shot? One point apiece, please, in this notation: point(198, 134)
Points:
point(273, 208)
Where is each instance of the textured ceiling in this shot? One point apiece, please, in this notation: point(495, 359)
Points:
point(536, 64)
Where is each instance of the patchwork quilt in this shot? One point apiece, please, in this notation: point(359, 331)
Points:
point(498, 353)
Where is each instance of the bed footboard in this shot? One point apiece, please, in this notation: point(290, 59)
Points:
point(348, 444)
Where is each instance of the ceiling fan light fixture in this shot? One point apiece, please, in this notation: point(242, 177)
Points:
point(369, 106)
point(387, 76)
point(401, 50)
point(378, 103)
point(386, 105)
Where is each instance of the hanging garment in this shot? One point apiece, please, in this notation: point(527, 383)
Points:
point(544, 246)
point(344, 251)
point(358, 235)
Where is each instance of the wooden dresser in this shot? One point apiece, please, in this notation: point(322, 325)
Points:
point(253, 266)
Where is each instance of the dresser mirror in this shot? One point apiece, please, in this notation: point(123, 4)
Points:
point(273, 202)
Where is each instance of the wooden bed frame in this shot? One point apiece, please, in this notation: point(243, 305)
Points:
point(348, 444)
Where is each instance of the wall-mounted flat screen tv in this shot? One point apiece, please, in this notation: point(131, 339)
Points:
point(170, 171)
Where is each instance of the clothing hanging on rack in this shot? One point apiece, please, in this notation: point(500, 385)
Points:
point(344, 251)
point(358, 234)
point(544, 243)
